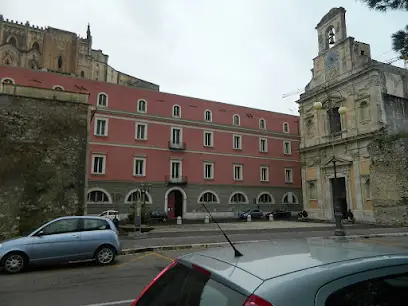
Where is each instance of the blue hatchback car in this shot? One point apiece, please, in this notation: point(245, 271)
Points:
point(64, 239)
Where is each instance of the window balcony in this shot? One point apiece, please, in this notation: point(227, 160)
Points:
point(181, 180)
point(177, 146)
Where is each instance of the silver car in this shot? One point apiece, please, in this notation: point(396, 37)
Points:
point(65, 239)
point(318, 272)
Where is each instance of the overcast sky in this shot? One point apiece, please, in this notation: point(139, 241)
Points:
point(241, 52)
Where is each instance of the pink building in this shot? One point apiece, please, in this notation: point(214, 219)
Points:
point(191, 151)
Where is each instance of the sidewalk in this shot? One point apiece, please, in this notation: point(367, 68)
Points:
point(148, 243)
point(186, 230)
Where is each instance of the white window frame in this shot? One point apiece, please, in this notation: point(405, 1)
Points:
point(6, 79)
point(289, 146)
point(267, 174)
point(291, 175)
point(205, 115)
point(137, 124)
point(179, 108)
point(241, 167)
point(181, 134)
point(103, 164)
point(138, 106)
point(143, 159)
point(211, 177)
point(233, 141)
point(233, 120)
point(211, 139)
point(266, 144)
point(99, 96)
point(106, 127)
point(264, 123)
point(283, 127)
point(176, 161)
point(58, 87)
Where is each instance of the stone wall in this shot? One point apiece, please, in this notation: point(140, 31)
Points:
point(43, 156)
point(389, 179)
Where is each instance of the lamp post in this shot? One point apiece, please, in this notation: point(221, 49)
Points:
point(339, 230)
point(116, 198)
point(141, 194)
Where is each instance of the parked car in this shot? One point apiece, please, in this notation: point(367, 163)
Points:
point(328, 273)
point(158, 216)
point(61, 240)
point(255, 214)
point(111, 214)
point(279, 214)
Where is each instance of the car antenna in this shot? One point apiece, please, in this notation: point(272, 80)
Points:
point(237, 253)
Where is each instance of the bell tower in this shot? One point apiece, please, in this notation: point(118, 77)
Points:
point(332, 28)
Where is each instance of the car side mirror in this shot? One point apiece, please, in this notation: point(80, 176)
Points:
point(40, 233)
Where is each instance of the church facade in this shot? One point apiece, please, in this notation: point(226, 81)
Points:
point(50, 49)
point(343, 109)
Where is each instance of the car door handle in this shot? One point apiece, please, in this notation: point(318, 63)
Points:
point(75, 236)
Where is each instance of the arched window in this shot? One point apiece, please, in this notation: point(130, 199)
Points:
point(7, 81)
point(262, 124)
point(82, 74)
point(236, 120)
point(142, 106)
point(265, 198)
point(289, 198)
point(238, 198)
point(136, 195)
point(102, 99)
point(208, 197)
point(12, 41)
point(59, 62)
point(98, 196)
point(36, 46)
point(286, 127)
point(176, 111)
point(364, 111)
point(58, 87)
point(207, 115)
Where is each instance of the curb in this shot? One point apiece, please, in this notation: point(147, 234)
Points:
point(351, 237)
point(215, 244)
point(183, 246)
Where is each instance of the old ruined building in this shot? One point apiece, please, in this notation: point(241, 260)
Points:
point(43, 149)
point(360, 104)
point(50, 49)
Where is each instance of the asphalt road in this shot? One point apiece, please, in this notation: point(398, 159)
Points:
point(90, 285)
point(84, 284)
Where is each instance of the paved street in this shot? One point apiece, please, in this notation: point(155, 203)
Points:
point(87, 284)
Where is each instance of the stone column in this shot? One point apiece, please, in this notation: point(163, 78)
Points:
point(320, 198)
point(357, 181)
point(304, 189)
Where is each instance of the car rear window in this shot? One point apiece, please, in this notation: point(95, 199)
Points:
point(95, 225)
point(181, 286)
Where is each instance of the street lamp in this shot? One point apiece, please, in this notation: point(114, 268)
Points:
point(339, 230)
point(141, 194)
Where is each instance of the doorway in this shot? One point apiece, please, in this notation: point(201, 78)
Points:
point(339, 191)
point(175, 204)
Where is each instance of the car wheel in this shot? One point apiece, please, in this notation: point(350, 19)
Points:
point(105, 255)
point(14, 263)
point(164, 219)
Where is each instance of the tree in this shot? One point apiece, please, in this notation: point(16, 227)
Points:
point(400, 38)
